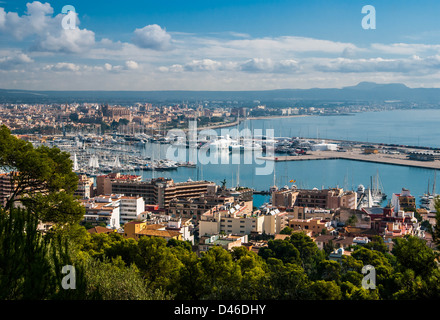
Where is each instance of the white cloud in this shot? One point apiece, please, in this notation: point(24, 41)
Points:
point(203, 65)
point(66, 41)
point(63, 66)
point(404, 48)
point(12, 62)
point(152, 37)
point(131, 65)
point(46, 31)
point(411, 65)
point(270, 66)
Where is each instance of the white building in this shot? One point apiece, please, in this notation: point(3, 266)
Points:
point(238, 219)
point(324, 146)
point(229, 219)
point(184, 227)
point(131, 208)
point(103, 209)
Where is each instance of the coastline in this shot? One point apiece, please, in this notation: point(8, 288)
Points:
point(225, 125)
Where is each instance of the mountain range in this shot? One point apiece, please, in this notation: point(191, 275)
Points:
point(362, 92)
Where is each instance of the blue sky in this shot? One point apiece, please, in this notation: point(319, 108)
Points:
point(217, 45)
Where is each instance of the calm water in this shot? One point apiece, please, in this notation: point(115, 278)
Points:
point(409, 127)
point(401, 127)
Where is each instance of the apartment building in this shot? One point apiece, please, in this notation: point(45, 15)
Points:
point(138, 229)
point(314, 198)
point(85, 187)
point(103, 209)
point(159, 191)
point(230, 218)
point(131, 208)
point(104, 182)
point(314, 225)
point(240, 219)
point(403, 200)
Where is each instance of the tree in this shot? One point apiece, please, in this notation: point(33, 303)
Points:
point(41, 179)
point(74, 117)
point(287, 230)
point(326, 290)
point(280, 249)
point(157, 262)
point(31, 263)
point(413, 253)
point(106, 280)
point(377, 244)
point(352, 220)
point(436, 228)
point(222, 275)
point(309, 252)
point(329, 270)
point(189, 282)
point(123, 121)
point(254, 272)
point(287, 281)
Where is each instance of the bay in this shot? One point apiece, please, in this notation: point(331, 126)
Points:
point(408, 127)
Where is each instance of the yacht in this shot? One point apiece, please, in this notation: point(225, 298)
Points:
point(221, 143)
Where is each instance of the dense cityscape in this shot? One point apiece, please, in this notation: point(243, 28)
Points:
point(213, 159)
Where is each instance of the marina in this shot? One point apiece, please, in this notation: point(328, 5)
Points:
point(294, 158)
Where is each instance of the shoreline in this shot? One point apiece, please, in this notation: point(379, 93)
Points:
point(377, 158)
point(225, 125)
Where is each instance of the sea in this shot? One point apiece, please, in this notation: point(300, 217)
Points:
point(406, 127)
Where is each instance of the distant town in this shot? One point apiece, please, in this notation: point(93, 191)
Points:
point(55, 119)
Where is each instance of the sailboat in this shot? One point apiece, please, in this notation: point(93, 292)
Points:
point(93, 164)
point(117, 164)
point(377, 193)
point(427, 200)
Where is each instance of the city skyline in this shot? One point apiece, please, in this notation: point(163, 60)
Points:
point(220, 45)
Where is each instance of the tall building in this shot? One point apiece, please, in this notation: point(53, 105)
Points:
point(403, 201)
point(194, 207)
point(85, 187)
point(130, 208)
point(159, 191)
point(104, 182)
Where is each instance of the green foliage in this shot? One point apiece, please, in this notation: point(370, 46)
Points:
point(106, 280)
point(30, 263)
point(412, 253)
point(377, 244)
point(287, 230)
point(326, 290)
point(436, 228)
point(44, 182)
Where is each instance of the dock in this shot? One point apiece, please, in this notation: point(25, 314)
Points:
point(392, 159)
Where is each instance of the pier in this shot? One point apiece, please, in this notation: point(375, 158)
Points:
point(393, 159)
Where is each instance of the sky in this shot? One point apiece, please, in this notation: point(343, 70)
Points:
point(217, 44)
